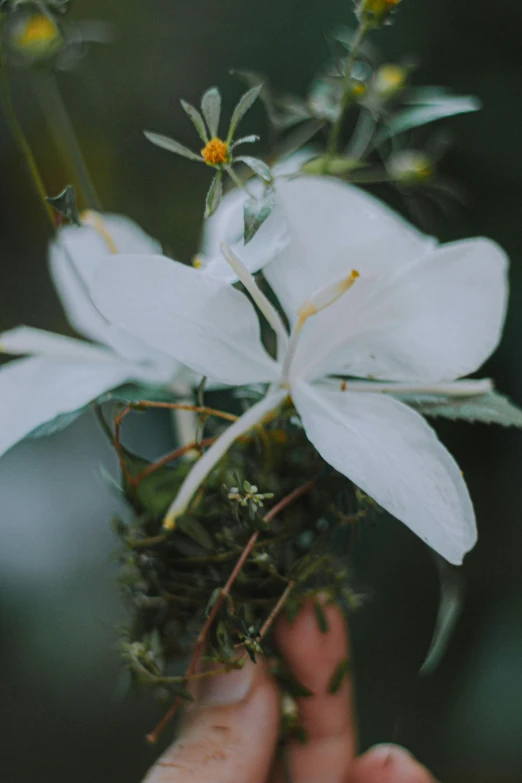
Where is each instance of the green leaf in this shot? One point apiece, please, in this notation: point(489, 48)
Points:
point(211, 108)
point(172, 146)
point(435, 109)
point(336, 680)
point(214, 195)
point(57, 424)
point(322, 620)
point(259, 167)
point(193, 528)
point(490, 408)
point(256, 212)
point(242, 106)
point(197, 120)
point(245, 140)
point(65, 204)
point(450, 607)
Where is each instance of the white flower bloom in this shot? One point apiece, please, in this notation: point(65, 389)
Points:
point(65, 374)
point(413, 318)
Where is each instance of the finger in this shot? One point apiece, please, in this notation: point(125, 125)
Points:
point(327, 717)
point(230, 734)
point(388, 764)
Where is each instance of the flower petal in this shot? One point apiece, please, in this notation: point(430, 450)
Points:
point(36, 390)
point(26, 340)
point(435, 320)
point(390, 452)
point(335, 228)
point(206, 324)
point(75, 256)
point(227, 225)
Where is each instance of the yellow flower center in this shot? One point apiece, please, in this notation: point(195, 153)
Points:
point(215, 152)
point(37, 33)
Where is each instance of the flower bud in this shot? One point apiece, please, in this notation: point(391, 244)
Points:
point(387, 82)
point(35, 35)
point(376, 12)
point(410, 167)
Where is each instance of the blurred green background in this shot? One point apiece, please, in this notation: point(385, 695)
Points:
point(62, 712)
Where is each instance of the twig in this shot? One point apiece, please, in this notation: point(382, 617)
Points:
point(172, 455)
point(276, 610)
point(178, 406)
point(117, 443)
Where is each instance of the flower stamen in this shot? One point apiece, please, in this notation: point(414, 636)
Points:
point(92, 219)
point(215, 152)
point(320, 300)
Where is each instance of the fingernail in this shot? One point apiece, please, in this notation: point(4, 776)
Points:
point(229, 688)
point(389, 753)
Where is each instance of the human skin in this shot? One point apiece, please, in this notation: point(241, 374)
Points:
point(231, 733)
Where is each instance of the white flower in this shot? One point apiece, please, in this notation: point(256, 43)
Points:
point(64, 374)
point(415, 318)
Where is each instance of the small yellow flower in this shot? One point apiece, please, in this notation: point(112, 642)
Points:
point(37, 35)
point(215, 152)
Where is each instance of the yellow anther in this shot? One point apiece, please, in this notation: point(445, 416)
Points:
point(37, 34)
point(215, 152)
point(90, 218)
point(197, 263)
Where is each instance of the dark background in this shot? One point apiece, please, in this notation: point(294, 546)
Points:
point(62, 713)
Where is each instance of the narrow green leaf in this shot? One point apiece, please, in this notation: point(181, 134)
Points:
point(419, 115)
point(259, 167)
point(57, 424)
point(197, 120)
point(172, 146)
point(211, 108)
point(214, 195)
point(193, 528)
point(490, 408)
point(322, 621)
point(336, 680)
point(256, 212)
point(242, 106)
point(245, 140)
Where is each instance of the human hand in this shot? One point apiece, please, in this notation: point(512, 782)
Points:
point(232, 731)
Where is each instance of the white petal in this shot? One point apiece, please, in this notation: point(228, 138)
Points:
point(435, 320)
point(390, 452)
point(26, 340)
point(75, 256)
point(206, 324)
point(336, 228)
point(36, 390)
point(227, 225)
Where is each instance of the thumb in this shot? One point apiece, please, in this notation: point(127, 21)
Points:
point(231, 732)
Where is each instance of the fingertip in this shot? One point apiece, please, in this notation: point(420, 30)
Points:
point(388, 764)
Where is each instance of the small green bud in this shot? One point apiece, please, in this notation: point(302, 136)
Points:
point(410, 167)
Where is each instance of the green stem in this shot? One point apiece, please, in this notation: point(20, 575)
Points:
point(333, 141)
point(236, 180)
point(64, 134)
point(21, 140)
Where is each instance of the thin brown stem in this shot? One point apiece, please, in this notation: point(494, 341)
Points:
point(276, 610)
point(177, 406)
point(171, 456)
